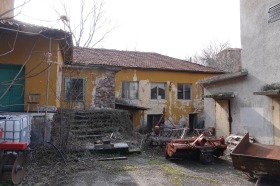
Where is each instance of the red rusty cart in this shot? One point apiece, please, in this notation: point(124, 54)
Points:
point(202, 146)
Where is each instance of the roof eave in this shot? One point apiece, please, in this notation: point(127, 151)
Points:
point(176, 70)
point(270, 93)
point(224, 77)
point(84, 66)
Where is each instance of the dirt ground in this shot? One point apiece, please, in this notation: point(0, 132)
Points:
point(150, 168)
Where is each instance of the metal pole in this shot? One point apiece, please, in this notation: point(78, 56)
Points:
point(47, 87)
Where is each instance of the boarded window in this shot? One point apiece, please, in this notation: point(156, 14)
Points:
point(74, 89)
point(274, 13)
point(130, 89)
point(184, 91)
point(158, 90)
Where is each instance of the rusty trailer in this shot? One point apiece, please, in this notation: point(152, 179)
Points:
point(202, 147)
point(256, 159)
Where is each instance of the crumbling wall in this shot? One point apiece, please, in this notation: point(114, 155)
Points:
point(105, 91)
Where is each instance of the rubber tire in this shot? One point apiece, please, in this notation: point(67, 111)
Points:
point(206, 158)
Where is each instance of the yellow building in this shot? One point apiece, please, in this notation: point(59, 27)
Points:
point(149, 83)
point(31, 59)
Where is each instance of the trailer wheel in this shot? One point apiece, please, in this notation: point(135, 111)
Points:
point(206, 158)
point(167, 156)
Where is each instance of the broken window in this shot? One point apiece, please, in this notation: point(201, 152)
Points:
point(130, 89)
point(274, 13)
point(184, 91)
point(74, 89)
point(158, 90)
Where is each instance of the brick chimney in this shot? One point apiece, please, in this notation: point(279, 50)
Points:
point(6, 8)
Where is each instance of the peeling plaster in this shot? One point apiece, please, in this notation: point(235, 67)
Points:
point(176, 110)
point(135, 76)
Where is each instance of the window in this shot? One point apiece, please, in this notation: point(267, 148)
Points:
point(274, 13)
point(184, 91)
point(158, 90)
point(74, 89)
point(130, 90)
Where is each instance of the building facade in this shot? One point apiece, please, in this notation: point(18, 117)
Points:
point(31, 60)
point(147, 84)
point(248, 100)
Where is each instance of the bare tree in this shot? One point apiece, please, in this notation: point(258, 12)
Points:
point(88, 28)
point(209, 53)
point(221, 56)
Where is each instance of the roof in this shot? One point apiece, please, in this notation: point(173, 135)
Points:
point(64, 38)
point(271, 93)
point(221, 78)
point(31, 29)
point(126, 105)
point(221, 95)
point(135, 59)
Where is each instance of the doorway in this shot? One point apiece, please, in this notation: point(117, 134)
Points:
point(192, 122)
point(223, 118)
point(13, 99)
point(152, 120)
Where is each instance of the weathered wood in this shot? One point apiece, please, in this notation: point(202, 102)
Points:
point(114, 158)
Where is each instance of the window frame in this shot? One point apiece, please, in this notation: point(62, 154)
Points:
point(157, 96)
point(128, 95)
point(183, 91)
point(68, 80)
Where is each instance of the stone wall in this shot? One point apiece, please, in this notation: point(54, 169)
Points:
point(105, 91)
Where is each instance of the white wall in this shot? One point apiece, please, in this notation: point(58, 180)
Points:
point(260, 55)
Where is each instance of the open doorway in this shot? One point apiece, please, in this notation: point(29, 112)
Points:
point(192, 122)
point(152, 119)
point(223, 118)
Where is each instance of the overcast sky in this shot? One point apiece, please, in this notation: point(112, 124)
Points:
point(177, 28)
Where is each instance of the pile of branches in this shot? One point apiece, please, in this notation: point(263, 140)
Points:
point(106, 123)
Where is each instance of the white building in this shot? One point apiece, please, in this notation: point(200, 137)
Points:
point(249, 100)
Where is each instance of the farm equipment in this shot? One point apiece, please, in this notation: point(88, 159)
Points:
point(202, 147)
point(161, 134)
point(256, 159)
point(14, 141)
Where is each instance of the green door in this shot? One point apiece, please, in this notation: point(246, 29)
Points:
point(13, 99)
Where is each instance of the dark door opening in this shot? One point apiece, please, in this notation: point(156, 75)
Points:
point(152, 119)
point(192, 122)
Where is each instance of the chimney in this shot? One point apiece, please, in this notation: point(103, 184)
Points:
point(6, 8)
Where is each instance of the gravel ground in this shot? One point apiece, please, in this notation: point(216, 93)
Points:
point(155, 170)
point(150, 168)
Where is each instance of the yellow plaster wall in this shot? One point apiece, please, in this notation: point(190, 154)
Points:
point(33, 52)
point(92, 77)
point(176, 110)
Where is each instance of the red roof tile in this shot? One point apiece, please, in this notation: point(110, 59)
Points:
point(134, 59)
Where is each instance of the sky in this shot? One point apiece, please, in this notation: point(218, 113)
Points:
point(176, 28)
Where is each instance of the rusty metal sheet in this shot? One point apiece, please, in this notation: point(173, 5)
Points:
point(256, 158)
